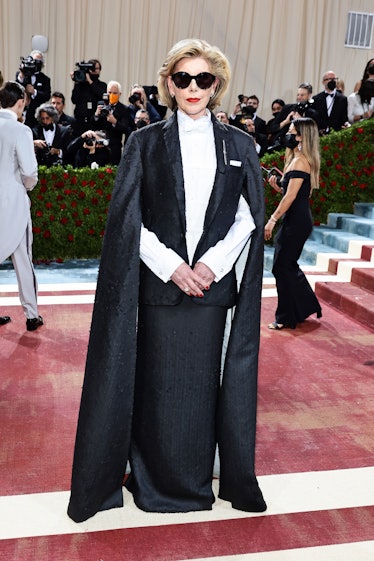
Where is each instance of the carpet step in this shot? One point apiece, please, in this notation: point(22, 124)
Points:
point(350, 299)
point(364, 278)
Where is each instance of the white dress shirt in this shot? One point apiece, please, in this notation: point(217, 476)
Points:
point(199, 169)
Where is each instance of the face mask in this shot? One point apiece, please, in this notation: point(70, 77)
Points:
point(331, 84)
point(113, 98)
point(290, 141)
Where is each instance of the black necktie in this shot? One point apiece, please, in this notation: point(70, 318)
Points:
point(48, 127)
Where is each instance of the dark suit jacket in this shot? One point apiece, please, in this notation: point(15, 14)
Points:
point(61, 140)
point(150, 176)
point(260, 125)
point(338, 116)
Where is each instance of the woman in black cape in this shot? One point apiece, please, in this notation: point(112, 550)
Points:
point(187, 201)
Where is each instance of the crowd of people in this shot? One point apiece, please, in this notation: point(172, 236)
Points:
point(95, 135)
point(101, 117)
point(331, 110)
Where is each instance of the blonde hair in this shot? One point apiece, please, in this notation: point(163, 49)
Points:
point(308, 130)
point(190, 48)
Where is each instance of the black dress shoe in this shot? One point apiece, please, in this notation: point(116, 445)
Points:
point(4, 320)
point(34, 323)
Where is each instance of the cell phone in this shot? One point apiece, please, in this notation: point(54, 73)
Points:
point(276, 173)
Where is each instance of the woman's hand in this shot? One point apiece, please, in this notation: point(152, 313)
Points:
point(269, 227)
point(191, 282)
point(273, 182)
point(205, 273)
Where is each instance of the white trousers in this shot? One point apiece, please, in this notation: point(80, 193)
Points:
point(27, 283)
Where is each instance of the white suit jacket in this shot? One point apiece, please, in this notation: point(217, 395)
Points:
point(18, 174)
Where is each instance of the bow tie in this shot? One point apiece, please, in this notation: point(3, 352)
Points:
point(200, 125)
point(48, 127)
point(329, 94)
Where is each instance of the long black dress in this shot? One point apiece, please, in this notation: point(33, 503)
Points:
point(296, 299)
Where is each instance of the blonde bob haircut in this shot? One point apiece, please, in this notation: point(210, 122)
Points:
point(190, 48)
point(308, 130)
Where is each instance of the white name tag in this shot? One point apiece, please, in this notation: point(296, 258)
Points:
point(235, 163)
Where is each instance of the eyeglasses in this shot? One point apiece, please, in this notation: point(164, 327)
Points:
point(203, 80)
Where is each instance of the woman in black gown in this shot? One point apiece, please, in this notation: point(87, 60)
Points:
point(296, 299)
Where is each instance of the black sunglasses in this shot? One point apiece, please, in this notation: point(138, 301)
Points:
point(203, 80)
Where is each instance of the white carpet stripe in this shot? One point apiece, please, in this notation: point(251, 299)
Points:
point(359, 551)
point(44, 514)
point(51, 300)
point(55, 287)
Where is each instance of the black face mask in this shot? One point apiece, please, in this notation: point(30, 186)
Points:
point(331, 84)
point(290, 141)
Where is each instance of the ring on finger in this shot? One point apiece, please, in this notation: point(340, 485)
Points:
point(186, 289)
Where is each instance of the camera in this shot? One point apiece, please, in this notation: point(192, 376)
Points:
point(29, 66)
point(151, 92)
point(248, 111)
point(136, 96)
point(97, 142)
point(105, 106)
point(302, 108)
point(79, 74)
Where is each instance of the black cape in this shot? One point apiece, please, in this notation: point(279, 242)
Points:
point(104, 425)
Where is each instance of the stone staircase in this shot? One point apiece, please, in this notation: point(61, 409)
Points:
point(338, 260)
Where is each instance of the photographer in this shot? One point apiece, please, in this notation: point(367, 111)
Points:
point(114, 117)
point(153, 97)
point(50, 138)
point(302, 108)
point(138, 100)
point(87, 92)
point(260, 140)
point(91, 149)
point(36, 84)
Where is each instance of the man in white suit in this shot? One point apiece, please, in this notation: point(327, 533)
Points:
point(18, 174)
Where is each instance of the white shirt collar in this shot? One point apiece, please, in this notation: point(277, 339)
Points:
point(10, 112)
point(186, 124)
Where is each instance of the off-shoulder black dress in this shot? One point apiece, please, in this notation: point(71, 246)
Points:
point(296, 299)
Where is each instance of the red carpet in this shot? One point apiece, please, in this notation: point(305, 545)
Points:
point(316, 401)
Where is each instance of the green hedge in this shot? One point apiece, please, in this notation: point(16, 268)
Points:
point(69, 206)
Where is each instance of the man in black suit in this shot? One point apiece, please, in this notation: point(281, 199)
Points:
point(36, 84)
point(113, 117)
point(331, 105)
point(50, 138)
point(259, 123)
